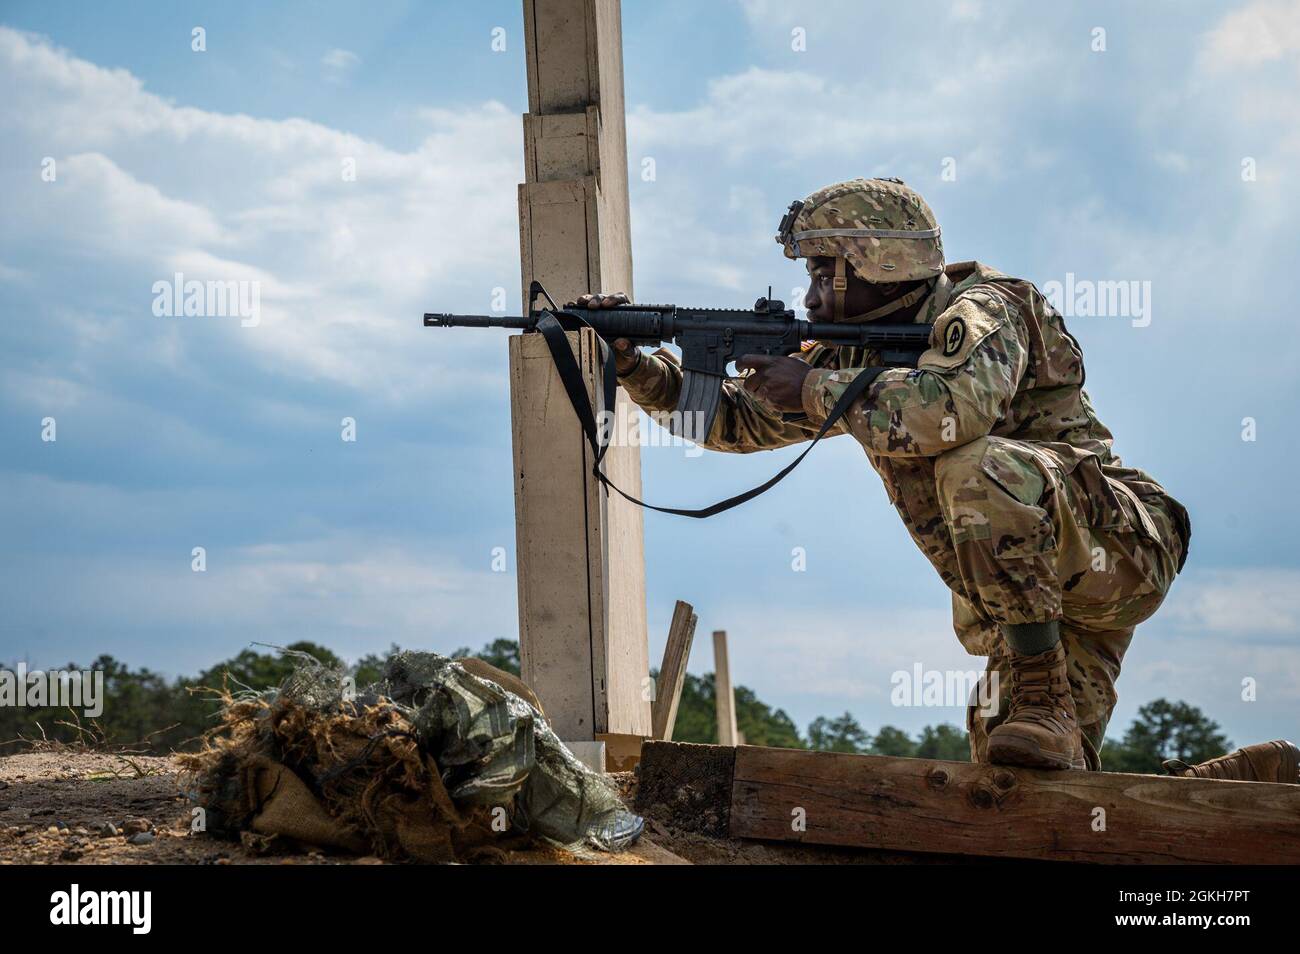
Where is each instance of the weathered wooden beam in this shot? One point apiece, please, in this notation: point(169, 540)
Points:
point(724, 697)
point(672, 672)
point(959, 808)
point(996, 811)
point(580, 552)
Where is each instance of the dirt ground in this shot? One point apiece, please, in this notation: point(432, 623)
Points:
point(56, 807)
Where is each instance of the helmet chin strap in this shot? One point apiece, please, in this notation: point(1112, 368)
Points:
point(841, 287)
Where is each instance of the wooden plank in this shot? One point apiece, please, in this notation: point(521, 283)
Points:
point(921, 805)
point(724, 696)
point(559, 146)
point(672, 671)
point(553, 496)
point(561, 55)
point(554, 221)
point(627, 644)
point(582, 624)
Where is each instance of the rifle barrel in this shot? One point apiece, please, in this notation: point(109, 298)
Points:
point(476, 321)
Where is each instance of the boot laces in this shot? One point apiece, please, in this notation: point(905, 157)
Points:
point(1041, 693)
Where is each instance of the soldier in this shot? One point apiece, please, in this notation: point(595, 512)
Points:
point(989, 449)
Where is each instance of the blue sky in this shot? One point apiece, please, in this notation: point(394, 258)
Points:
point(1116, 164)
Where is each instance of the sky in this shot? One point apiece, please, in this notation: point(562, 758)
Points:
point(1147, 143)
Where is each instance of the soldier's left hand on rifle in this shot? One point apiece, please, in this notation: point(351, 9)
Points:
point(625, 356)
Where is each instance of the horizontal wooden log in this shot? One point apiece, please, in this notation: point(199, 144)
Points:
point(922, 805)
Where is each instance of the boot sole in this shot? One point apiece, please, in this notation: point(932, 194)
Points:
point(1027, 754)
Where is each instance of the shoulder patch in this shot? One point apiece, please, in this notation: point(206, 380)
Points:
point(954, 336)
point(959, 330)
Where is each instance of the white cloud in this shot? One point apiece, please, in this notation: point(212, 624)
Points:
point(354, 595)
point(44, 393)
point(347, 263)
point(1260, 602)
point(1173, 161)
point(338, 62)
point(97, 206)
point(786, 116)
point(1263, 32)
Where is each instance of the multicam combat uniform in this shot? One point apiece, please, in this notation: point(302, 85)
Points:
point(1002, 473)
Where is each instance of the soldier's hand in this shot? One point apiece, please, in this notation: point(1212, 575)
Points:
point(625, 356)
point(776, 379)
point(607, 300)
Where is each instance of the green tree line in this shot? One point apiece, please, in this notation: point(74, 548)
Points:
point(144, 710)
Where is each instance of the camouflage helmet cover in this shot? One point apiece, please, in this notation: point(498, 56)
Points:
point(885, 230)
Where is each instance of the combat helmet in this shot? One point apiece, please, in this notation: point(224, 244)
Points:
point(881, 228)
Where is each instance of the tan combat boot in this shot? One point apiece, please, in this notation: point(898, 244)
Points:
point(1041, 729)
point(1277, 761)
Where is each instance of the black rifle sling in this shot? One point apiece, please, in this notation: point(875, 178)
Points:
point(571, 377)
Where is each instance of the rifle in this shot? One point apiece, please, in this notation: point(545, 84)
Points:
point(710, 339)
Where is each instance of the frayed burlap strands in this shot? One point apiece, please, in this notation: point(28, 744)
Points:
point(352, 780)
point(434, 763)
point(276, 773)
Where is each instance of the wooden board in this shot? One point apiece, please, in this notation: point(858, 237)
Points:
point(672, 672)
point(560, 636)
point(724, 697)
point(580, 553)
point(994, 811)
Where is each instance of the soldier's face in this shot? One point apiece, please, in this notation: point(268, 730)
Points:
point(820, 301)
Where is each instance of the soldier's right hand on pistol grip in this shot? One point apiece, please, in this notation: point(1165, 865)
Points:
point(625, 356)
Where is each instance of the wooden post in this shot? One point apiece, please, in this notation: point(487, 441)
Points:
point(724, 695)
point(580, 555)
point(672, 673)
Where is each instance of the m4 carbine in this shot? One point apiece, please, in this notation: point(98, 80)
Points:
point(710, 339)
